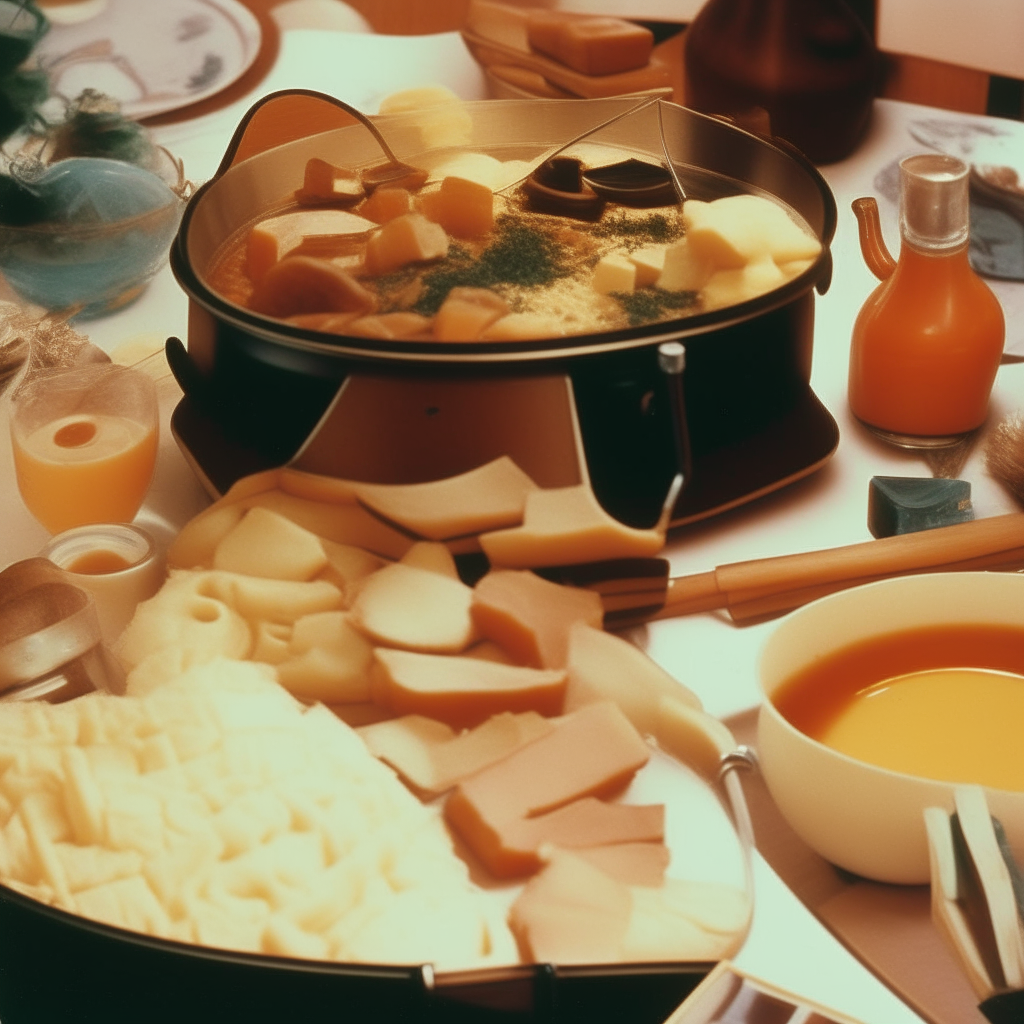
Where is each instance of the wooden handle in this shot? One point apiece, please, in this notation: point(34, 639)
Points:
point(688, 594)
point(770, 586)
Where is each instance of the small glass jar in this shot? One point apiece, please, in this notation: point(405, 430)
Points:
point(117, 563)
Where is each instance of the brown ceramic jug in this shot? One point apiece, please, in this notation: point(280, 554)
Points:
point(809, 64)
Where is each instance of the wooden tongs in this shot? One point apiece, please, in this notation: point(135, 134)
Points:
point(637, 590)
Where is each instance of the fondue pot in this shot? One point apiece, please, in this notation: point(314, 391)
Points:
point(593, 408)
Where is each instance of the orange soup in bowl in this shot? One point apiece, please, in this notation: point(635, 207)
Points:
point(942, 702)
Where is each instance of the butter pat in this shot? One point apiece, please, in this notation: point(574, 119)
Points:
point(593, 46)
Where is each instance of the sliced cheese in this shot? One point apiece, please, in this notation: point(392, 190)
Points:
point(429, 755)
point(567, 526)
point(489, 496)
point(462, 692)
point(404, 606)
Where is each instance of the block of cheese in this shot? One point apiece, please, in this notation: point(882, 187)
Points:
point(729, 287)
point(513, 849)
point(265, 543)
point(429, 754)
point(530, 617)
point(730, 232)
point(386, 203)
point(591, 45)
point(322, 182)
point(649, 262)
point(571, 913)
point(462, 692)
point(614, 273)
point(307, 284)
point(467, 312)
point(410, 238)
point(593, 752)
point(272, 239)
point(484, 498)
point(566, 526)
point(603, 666)
point(683, 269)
point(464, 208)
point(404, 606)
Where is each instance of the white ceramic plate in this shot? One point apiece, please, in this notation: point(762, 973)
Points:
point(153, 55)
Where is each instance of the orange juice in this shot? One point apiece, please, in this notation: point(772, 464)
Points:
point(85, 468)
point(926, 347)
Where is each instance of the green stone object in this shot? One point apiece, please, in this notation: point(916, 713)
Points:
point(903, 504)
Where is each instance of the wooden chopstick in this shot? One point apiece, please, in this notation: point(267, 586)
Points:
point(768, 586)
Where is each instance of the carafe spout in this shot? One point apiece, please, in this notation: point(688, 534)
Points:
point(872, 245)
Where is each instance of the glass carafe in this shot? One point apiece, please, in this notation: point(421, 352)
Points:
point(927, 342)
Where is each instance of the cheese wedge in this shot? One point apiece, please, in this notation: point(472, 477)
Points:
point(567, 526)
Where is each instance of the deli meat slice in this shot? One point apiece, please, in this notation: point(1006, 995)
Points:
point(593, 752)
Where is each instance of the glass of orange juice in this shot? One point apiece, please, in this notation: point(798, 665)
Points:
point(85, 444)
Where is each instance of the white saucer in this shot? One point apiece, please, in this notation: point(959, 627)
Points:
point(152, 56)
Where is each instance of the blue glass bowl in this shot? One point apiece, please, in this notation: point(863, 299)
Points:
point(106, 231)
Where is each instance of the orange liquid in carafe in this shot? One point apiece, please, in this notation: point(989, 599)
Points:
point(926, 347)
point(85, 469)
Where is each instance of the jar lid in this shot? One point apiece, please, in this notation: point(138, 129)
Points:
point(934, 201)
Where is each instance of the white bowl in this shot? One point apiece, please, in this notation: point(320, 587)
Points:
point(865, 819)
